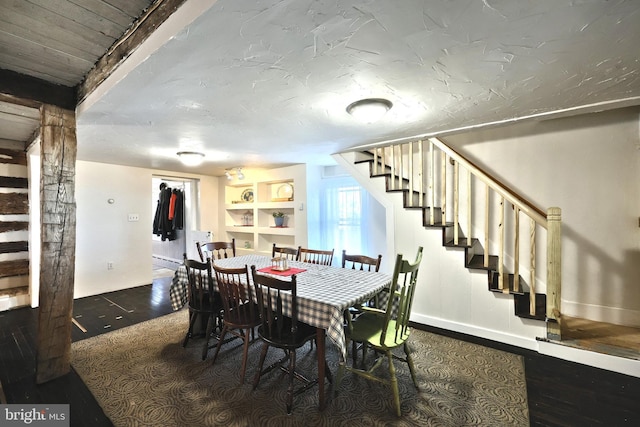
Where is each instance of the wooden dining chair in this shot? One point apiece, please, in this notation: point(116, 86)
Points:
point(362, 263)
point(203, 304)
point(282, 331)
point(216, 250)
point(289, 253)
point(240, 311)
point(384, 330)
point(315, 256)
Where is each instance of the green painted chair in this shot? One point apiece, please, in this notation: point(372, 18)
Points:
point(384, 330)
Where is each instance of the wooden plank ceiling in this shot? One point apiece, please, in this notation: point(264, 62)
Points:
point(59, 42)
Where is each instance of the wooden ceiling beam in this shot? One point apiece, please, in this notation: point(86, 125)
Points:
point(31, 91)
point(141, 29)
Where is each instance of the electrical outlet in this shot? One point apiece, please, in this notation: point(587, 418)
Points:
point(134, 217)
point(109, 265)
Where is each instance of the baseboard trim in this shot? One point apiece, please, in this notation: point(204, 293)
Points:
point(501, 337)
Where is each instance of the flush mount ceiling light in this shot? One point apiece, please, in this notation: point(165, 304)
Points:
point(191, 158)
point(369, 110)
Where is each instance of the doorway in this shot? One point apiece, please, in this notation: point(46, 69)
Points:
point(169, 247)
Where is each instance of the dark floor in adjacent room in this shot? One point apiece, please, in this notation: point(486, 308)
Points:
point(560, 393)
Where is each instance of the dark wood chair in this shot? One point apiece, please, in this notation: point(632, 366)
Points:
point(281, 331)
point(315, 256)
point(240, 311)
point(384, 330)
point(289, 253)
point(216, 250)
point(362, 263)
point(203, 304)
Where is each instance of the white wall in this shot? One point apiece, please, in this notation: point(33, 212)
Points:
point(104, 234)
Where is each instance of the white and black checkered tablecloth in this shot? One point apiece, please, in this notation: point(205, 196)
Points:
point(323, 292)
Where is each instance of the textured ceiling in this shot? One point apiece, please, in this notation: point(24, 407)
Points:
point(255, 83)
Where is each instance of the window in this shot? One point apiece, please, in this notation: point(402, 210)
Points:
point(350, 218)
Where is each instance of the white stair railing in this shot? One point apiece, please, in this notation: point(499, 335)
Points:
point(421, 171)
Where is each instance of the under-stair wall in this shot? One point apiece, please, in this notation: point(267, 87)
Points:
point(14, 229)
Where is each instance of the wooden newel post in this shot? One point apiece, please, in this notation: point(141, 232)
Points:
point(554, 273)
point(58, 147)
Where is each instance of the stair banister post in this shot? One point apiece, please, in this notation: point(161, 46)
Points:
point(410, 163)
point(554, 273)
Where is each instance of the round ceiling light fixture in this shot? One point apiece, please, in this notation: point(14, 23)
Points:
point(369, 110)
point(191, 158)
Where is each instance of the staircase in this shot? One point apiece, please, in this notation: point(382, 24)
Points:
point(14, 229)
point(481, 216)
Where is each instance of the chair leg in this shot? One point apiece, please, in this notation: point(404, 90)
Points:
point(394, 383)
point(292, 367)
point(192, 321)
point(246, 339)
point(407, 351)
point(354, 352)
point(364, 352)
point(205, 349)
point(263, 355)
point(339, 376)
point(220, 340)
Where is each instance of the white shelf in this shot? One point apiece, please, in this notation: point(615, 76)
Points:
point(272, 191)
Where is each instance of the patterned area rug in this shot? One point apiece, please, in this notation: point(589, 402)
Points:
point(142, 376)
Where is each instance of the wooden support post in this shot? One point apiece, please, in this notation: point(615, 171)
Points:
point(486, 227)
point(431, 186)
point(532, 268)
point(443, 186)
point(58, 241)
point(456, 203)
point(469, 208)
point(501, 281)
point(554, 273)
point(422, 174)
point(410, 164)
point(393, 167)
point(516, 250)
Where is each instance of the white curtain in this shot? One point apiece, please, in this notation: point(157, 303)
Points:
point(347, 218)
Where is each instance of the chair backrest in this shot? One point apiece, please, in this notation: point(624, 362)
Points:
point(315, 256)
point(289, 253)
point(216, 250)
point(401, 291)
point(361, 262)
point(199, 277)
point(235, 290)
point(270, 296)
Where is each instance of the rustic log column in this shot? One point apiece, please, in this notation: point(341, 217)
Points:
point(58, 241)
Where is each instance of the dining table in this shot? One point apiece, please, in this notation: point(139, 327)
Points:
point(323, 295)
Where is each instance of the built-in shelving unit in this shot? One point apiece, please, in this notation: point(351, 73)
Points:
point(249, 207)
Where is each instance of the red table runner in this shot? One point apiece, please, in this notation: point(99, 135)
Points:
point(288, 272)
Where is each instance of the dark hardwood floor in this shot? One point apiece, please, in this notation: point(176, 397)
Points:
point(560, 393)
